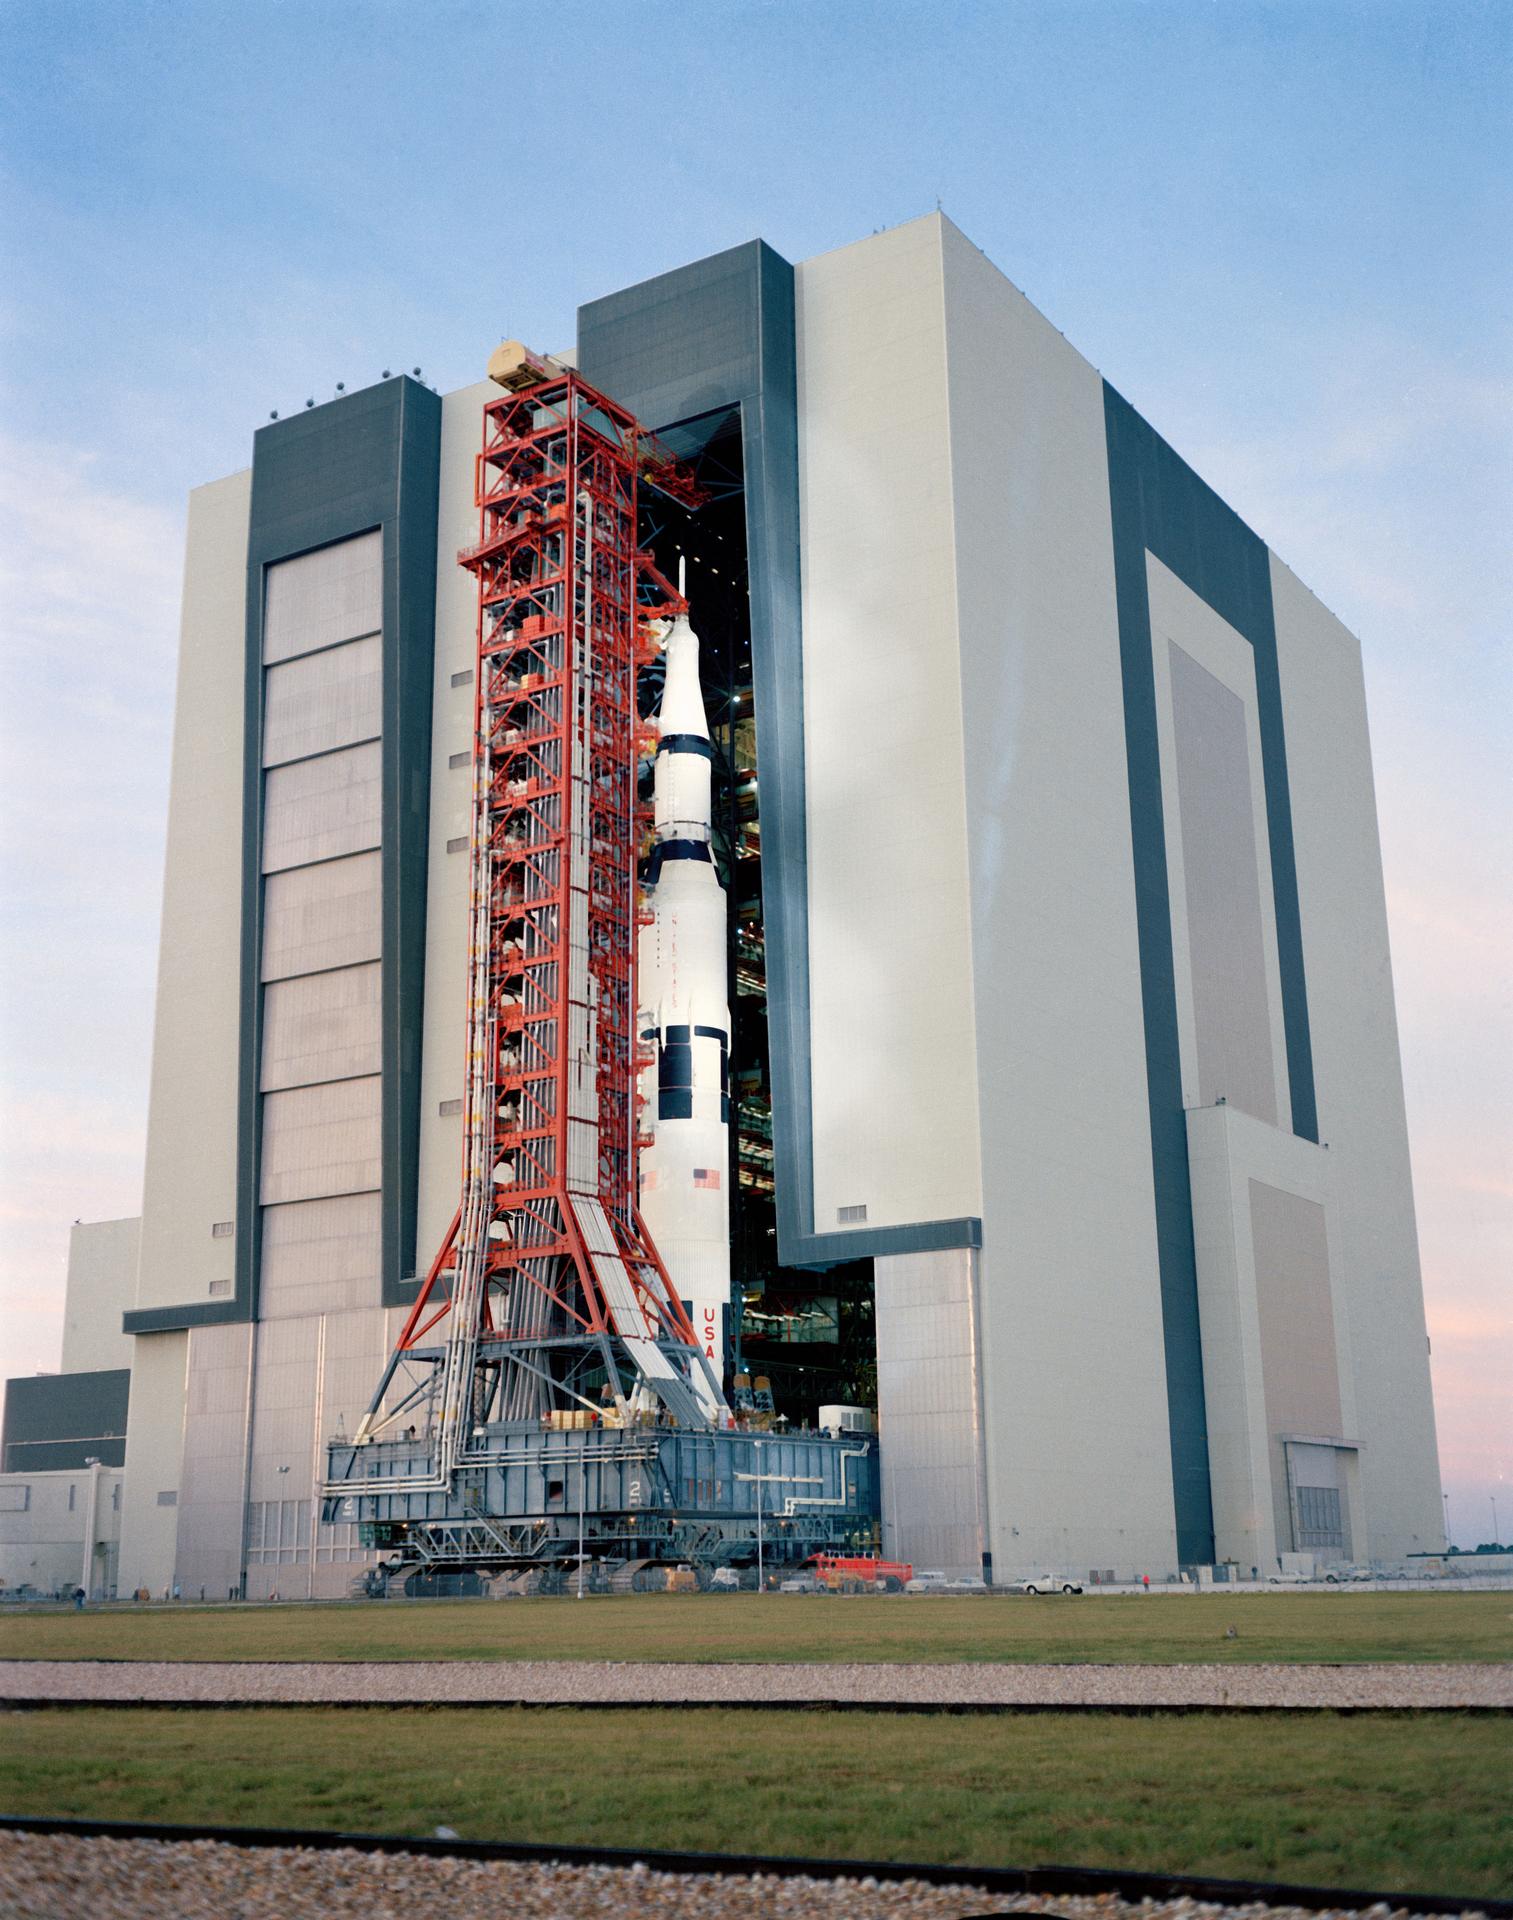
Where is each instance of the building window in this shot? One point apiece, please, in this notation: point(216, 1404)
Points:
point(463, 679)
point(850, 1216)
point(448, 1108)
point(223, 1230)
point(459, 845)
point(73, 1494)
point(220, 1287)
point(459, 759)
point(115, 1498)
point(15, 1499)
point(170, 1498)
point(278, 1532)
point(340, 1541)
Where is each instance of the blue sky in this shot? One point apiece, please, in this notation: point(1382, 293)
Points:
point(1281, 230)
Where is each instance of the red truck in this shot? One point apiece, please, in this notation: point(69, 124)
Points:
point(859, 1572)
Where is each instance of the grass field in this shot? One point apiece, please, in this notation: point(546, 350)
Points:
point(1394, 1803)
point(749, 1627)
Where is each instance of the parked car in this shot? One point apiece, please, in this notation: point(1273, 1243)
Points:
point(801, 1583)
point(932, 1580)
point(1338, 1576)
point(927, 1580)
point(1045, 1583)
point(1293, 1579)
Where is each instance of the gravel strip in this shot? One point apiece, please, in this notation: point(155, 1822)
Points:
point(595, 1683)
point(50, 1876)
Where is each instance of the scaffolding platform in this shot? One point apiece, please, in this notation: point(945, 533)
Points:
point(535, 1496)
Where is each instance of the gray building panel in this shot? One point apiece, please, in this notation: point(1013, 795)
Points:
point(321, 1140)
point(320, 599)
point(61, 1420)
point(323, 701)
point(320, 1256)
point(316, 918)
point(929, 1392)
point(690, 341)
point(1300, 1372)
point(320, 809)
point(368, 462)
point(1222, 882)
point(284, 1402)
point(322, 1026)
point(213, 1477)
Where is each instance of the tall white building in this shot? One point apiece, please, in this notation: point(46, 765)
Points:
point(1064, 1065)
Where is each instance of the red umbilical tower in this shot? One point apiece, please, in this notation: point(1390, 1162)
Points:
point(554, 1299)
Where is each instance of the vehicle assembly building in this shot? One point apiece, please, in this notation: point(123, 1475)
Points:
point(790, 863)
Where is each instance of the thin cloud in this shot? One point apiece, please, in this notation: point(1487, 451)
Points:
point(89, 591)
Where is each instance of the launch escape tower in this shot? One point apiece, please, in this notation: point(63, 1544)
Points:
point(547, 1386)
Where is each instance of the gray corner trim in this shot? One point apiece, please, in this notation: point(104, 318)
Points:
point(873, 1243)
point(1159, 505)
point(203, 1313)
point(769, 427)
point(370, 460)
point(409, 660)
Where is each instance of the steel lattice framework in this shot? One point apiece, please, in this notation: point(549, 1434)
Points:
point(554, 1298)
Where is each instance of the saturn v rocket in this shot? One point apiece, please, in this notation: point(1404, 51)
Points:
point(684, 1014)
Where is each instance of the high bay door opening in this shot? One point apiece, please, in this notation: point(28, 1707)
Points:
point(548, 1389)
point(809, 1335)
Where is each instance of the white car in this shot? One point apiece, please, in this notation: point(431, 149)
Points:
point(1337, 1576)
point(946, 1583)
point(927, 1580)
point(1046, 1583)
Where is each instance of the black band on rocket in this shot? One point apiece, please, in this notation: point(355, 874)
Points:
point(686, 743)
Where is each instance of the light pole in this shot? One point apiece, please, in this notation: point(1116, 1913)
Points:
point(761, 1573)
point(788, 1479)
point(582, 1481)
point(1446, 1498)
point(1496, 1536)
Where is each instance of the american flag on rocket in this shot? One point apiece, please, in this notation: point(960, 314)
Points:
point(707, 1177)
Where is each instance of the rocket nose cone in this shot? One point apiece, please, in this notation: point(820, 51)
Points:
point(682, 652)
point(682, 709)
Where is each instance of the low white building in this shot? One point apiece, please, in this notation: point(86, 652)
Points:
point(63, 1438)
point(60, 1530)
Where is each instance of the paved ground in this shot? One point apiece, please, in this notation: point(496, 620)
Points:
point(610, 1683)
point(48, 1876)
